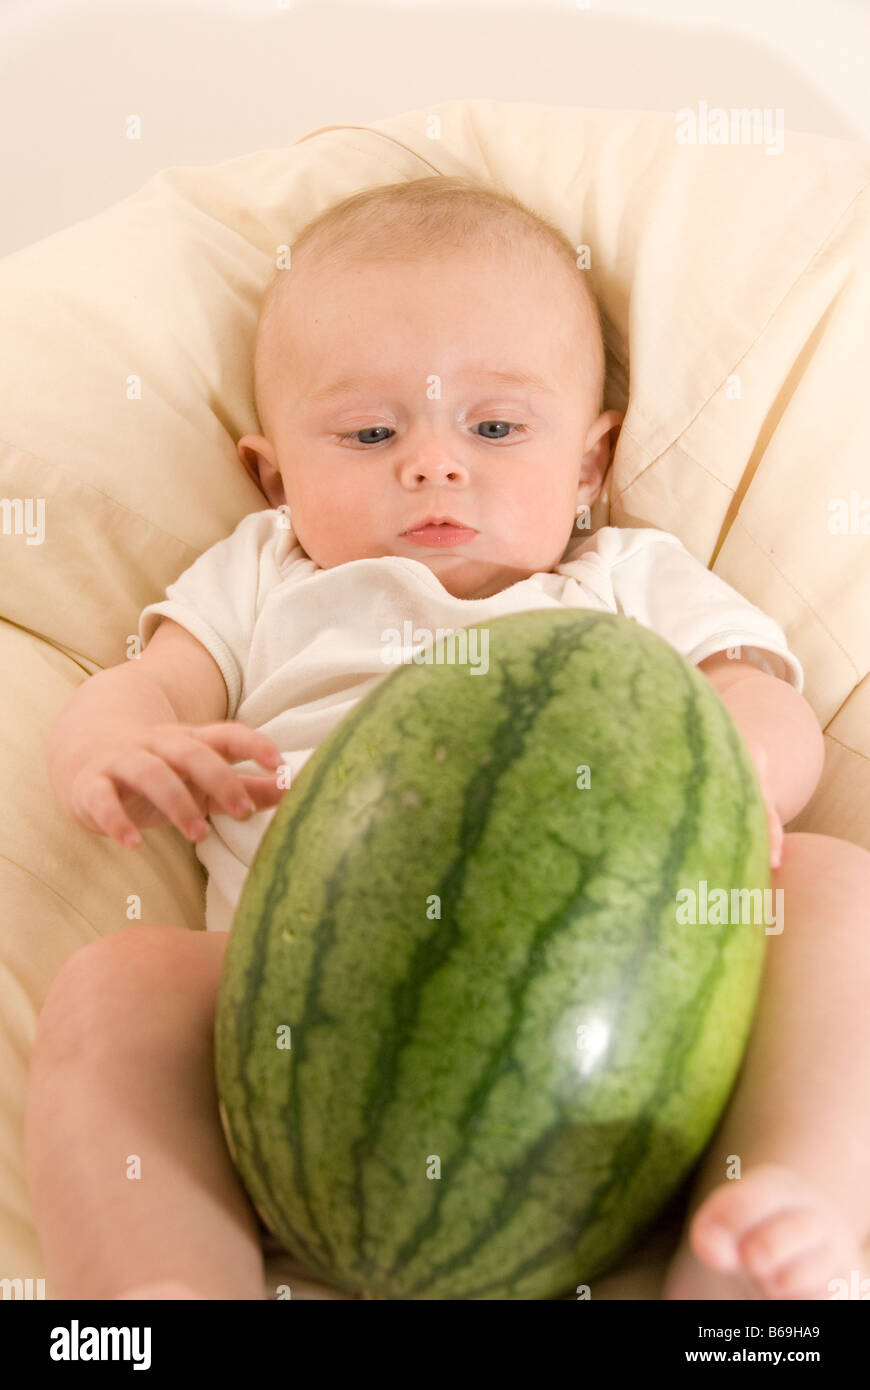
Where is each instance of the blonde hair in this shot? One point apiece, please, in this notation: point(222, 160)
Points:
point(434, 215)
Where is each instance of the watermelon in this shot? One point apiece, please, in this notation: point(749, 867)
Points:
point(469, 1039)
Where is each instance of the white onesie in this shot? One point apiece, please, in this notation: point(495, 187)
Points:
point(298, 645)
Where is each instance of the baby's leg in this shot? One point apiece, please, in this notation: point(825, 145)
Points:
point(799, 1117)
point(123, 1069)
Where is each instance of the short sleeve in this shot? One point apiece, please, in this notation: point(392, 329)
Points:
point(649, 575)
point(218, 597)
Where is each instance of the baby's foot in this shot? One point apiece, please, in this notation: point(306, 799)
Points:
point(770, 1234)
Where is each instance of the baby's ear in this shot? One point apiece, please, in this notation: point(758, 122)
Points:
point(603, 434)
point(258, 458)
point(614, 420)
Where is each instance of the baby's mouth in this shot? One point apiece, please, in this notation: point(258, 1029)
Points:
point(441, 533)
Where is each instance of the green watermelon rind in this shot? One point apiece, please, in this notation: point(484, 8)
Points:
point(432, 1038)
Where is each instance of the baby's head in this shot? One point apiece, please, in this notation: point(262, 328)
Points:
point(384, 381)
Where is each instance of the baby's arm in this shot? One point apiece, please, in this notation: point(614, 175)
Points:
point(141, 744)
point(771, 713)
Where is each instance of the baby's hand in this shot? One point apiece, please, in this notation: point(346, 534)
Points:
point(158, 774)
point(758, 753)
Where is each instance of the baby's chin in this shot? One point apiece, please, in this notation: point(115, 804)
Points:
point(461, 574)
point(467, 577)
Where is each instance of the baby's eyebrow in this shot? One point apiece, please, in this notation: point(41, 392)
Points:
point(348, 385)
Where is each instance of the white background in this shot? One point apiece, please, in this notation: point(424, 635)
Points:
point(213, 79)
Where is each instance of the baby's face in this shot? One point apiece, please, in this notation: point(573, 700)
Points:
point(389, 403)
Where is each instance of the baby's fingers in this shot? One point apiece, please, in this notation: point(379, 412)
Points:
point(237, 742)
point(102, 812)
point(263, 791)
point(151, 778)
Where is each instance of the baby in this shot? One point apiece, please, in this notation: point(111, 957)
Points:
point(429, 377)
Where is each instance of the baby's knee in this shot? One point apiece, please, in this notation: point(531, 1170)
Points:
point(98, 983)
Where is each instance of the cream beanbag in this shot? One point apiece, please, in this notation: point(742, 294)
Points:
point(735, 283)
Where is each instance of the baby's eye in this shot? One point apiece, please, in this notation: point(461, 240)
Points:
point(384, 429)
point(486, 423)
point(367, 429)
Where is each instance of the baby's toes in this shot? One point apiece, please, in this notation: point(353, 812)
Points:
point(734, 1209)
point(807, 1276)
point(775, 1250)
